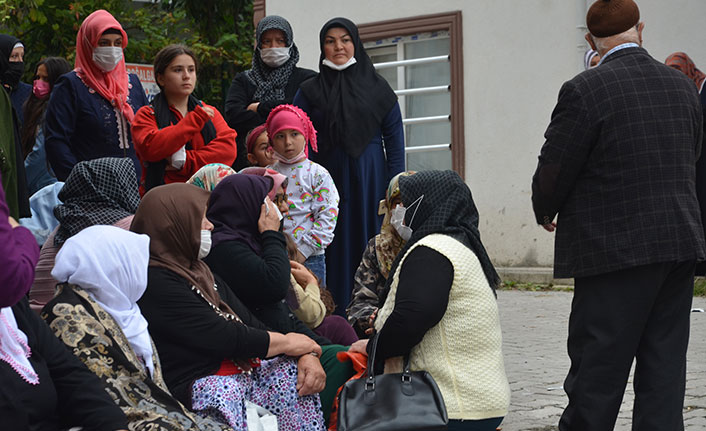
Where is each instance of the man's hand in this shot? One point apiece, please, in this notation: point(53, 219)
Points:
point(549, 227)
point(253, 106)
point(311, 377)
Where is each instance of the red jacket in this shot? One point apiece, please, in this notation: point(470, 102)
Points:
point(153, 144)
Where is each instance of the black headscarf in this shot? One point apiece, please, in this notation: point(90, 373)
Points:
point(10, 73)
point(447, 208)
point(98, 191)
point(271, 82)
point(355, 100)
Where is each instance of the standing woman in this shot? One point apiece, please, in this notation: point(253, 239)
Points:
point(13, 50)
point(35, 156)
point(11, 166)
point(273, 80)
point(361, 143)
point(91, 108)
point(178, 134)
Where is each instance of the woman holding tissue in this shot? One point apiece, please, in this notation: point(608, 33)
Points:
point(177, 134)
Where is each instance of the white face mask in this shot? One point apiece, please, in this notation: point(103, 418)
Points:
point(274, 57)
point(397, 219)
point(107, 57)
point(339, 67)
point(205, 246)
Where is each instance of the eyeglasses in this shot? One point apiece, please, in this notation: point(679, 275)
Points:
point(280, 198)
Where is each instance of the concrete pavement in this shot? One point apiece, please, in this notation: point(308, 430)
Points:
point(535, 326)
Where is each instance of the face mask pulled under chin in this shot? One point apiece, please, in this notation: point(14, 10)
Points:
point(275, 57)
point(107, 57)
point(339, 67)
point(205, 246)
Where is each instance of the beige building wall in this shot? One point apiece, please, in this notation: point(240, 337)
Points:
point(517, 54)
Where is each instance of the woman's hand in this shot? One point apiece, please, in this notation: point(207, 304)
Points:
point(253, 106)
point(292, 344)
point(300, 257)
point(302, 275)
point(208, 111)
point(311, 377)
point(268, 217)
point(12, 222)
point(360, 346)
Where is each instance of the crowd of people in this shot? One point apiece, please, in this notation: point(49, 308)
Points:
point(181, 266)
point(188, 265)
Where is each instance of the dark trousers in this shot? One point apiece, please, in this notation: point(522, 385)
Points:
point(640, 313)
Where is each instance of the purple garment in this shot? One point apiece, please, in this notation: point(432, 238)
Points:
point(18, 256)
point(234, 209)
point(337, 329)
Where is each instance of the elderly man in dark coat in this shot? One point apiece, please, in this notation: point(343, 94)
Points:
point(618, 167)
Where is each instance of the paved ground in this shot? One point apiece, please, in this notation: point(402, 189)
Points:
point(534, 337)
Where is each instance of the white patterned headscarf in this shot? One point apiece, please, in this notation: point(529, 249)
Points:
point(110, 264)
point(99, 191)
point(271, 82)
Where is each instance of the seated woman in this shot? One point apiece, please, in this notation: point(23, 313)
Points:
point(458, 316)
point(178, 134)
point(251, 257)
point(210, 175)
point(99, 191)
point(374, 268)
point(103, 271)
point(44, 387)
point(304, 295)
point(209, 342)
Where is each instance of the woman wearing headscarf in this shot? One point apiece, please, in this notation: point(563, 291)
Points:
point(252, 259)
point(100, 191)
point(11, 100)
point(440, 297)
point(212, 348)
point(273, 80)
point(374, 268)
point(360, 140)
point(43, 384)
point(37, 169)
point(210, 175)
point(92, 107)
point(103, 272)
point(12, 67)
point(683, 63)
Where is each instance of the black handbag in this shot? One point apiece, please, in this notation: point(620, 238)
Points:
point(408, 401)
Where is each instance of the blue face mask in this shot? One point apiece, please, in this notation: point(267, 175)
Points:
point(397, 218)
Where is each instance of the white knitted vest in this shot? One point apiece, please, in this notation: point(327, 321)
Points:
point(463, 352)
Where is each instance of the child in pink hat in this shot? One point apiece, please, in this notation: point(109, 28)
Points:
point(313, 197)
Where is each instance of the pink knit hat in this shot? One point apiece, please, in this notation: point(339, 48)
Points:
point(291, 117)
point(278, 179)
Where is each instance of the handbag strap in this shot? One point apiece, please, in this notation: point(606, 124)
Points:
point(371, 360)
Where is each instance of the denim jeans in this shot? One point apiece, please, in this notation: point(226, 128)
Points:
point(317, 265)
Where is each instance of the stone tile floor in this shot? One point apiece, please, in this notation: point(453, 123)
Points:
point(535, 326)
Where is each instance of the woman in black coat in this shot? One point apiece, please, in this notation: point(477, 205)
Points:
point(273, 80)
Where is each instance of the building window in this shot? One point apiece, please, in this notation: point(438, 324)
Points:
point(421, 60)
